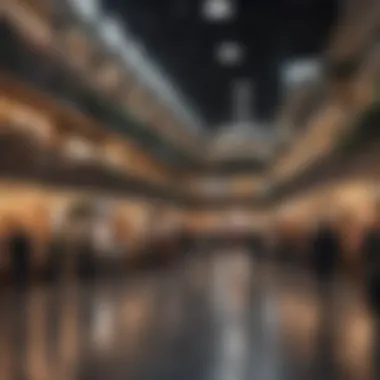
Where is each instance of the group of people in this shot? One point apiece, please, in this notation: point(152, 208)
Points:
point(78, 256)
point(327, 257)
point(325, 252)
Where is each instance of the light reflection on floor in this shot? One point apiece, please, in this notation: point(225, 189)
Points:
point(220, 317)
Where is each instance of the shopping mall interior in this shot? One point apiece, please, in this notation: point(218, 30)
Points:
point(189, 190)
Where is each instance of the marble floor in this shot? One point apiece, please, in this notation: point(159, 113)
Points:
point(222, 316)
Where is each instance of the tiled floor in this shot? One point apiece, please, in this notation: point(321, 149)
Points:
point(219, 317)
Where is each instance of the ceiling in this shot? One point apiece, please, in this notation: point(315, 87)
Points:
point(269, 33)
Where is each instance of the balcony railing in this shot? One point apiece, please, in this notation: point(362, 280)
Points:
point(51, 75)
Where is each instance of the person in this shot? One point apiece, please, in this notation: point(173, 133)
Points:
point(54, 265)
point(325, 253)
point(20, 250)
point(371, 248)
point(285, 249)
point(86, 259)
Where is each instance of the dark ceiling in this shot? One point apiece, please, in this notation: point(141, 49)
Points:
point(183, 43)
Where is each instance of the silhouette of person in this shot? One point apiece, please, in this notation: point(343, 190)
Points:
point(371, 253)
point(20, 249)
point(55, 263)
point(325, 253)
point(86, 259)
point(286, 249)
point(372, 266)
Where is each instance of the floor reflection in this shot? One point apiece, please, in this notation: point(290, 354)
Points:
point(222, 316)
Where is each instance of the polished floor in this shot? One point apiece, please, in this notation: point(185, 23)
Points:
point(222, 316)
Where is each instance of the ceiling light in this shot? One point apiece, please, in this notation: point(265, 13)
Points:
point(78, 149)
point(299, 71)
point(218, 10)
point(230, 53)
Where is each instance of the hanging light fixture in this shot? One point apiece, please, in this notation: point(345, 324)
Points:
point(300, 71)
point(230, 53)
point(218, 10)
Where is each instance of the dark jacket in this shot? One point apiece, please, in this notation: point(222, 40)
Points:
point(325, 253)
point(372, 267)
point(372, 252)
point(20, 249)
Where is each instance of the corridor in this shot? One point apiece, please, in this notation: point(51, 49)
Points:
point(219, 316)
